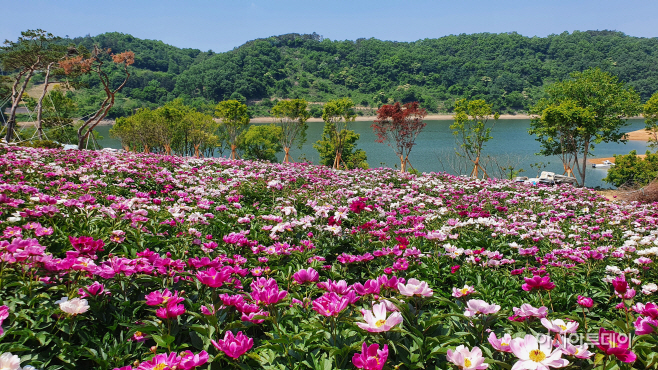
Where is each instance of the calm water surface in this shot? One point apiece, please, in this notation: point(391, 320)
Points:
point(434, 149)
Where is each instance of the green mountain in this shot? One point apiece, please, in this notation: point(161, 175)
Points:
point(508, 70)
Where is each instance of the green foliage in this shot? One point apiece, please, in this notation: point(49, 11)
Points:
point(650, 113)
point(350, 156)
point(589, 108)
point(174, 127)
point(631, 170)
point(48, 144)
point(471, 129)
point(291, 117)
point(261, 142)
point(507, 70)
point(235, 119)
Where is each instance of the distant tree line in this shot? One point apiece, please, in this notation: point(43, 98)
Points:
point(507, 70)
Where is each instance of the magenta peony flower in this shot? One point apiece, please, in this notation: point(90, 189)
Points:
point(371, 357)
point(94, 289)
point(538, 283)
point(645, 325)
point(620, 285)
point(234, 346)
point(171, 310)
point(615, 344)
point(306, 276)
point(185, 360)
point(330, 304)
point(585, 301)
point(559, 326)
point(214, 278)
point(4, 314)
point(87, 245)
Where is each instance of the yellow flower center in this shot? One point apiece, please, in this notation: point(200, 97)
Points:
point(380, 323)
point(613, 344)
point(138, 334)
point(464, 291)
point(537, 355)
point(165, 299)
point(577, 352)
point(467, 362)
point(503, 344)
point(562, 327)
point(160, 367)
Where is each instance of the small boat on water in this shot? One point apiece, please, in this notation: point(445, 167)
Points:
point(605, 164)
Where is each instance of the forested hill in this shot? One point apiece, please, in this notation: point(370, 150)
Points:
point(508, 70)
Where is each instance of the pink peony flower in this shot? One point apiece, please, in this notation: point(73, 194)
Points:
point(466, 290)
point(526, 312)
point(376, 320)
point(533, 355)
point(465, 359)
point(415, 287)
point(569, 349)
point(559, 326)
point(371, 357)
point(234, 346)
point(501, 344)
point(480, 307)
point(10, 362)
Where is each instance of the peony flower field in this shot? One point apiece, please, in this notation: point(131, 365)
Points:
point(144, 261)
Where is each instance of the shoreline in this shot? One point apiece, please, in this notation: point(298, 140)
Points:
point(429, 117)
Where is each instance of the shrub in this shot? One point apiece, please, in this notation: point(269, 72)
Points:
point(631, 170)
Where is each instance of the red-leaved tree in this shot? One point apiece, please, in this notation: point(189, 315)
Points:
point(399, 126)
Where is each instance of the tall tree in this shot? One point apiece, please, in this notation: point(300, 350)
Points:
point(291, 117)
point(592, 106)
point(98, 64)
point(34, 50)
point(337, 115)
point(650, 113)
point(235, 119)
point(472, 130)
point(399, 126)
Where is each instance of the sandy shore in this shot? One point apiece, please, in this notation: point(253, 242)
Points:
point(611, 159)
point(639, 135)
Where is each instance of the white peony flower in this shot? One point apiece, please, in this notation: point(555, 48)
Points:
point(73, 307)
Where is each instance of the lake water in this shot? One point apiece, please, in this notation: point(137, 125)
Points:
point(434, 149)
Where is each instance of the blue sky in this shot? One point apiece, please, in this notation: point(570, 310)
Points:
point(223, 25)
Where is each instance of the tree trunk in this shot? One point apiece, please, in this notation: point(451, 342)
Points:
point(233, 154)
point(40, 104)
point(403, 163)
point(196, 150)
point(286, 159)
point(11, 123)
point(167, 148)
